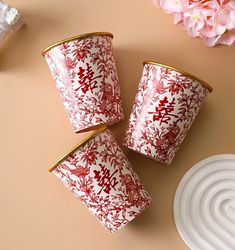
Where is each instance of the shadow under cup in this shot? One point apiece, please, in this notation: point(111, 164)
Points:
point(166, 104)
point(84, 70)
point(99, 174)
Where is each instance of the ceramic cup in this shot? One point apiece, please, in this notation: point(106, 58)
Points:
point(84, 70)
point(166, 104)
point(99, 174)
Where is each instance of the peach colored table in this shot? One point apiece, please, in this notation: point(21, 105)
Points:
point(36, 211)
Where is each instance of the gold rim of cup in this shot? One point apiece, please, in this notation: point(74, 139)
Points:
point(204, 83)
point(81, 143)
point(103, 33)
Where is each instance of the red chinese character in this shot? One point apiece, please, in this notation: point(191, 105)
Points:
point(105, 180)
point(164, 111)
point(86, 79)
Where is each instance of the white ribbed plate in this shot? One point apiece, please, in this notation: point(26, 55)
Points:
point(204, 204)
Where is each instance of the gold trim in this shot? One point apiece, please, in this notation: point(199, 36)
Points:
point(182, 72)
point(75, 38)
point(77, 146)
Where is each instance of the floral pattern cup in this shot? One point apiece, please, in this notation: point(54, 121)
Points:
point(98, 173)
point(84, 70)
point(165, 107)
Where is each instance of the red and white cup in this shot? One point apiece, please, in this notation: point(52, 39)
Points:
point(84, 70)
point(100, 176)
point(166, 104)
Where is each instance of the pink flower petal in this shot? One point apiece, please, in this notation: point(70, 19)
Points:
point(211, 20)
point(228, 38)
point(210, 42)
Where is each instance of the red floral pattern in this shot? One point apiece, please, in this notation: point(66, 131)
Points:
point(85, 74)
point(165, 107)
point(99, 174)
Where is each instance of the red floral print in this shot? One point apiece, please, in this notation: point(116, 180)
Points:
point(80, 171)
point(85, 74)
point(165, 107)
point(107, 184)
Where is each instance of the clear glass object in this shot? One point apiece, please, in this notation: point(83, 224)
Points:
point(10, 20)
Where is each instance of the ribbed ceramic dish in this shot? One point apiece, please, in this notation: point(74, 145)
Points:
point(204, 204)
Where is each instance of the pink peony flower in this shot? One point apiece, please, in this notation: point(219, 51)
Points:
point(211, 20)
point(171, 6)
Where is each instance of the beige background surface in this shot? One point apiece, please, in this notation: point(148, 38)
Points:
point(36, 211)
